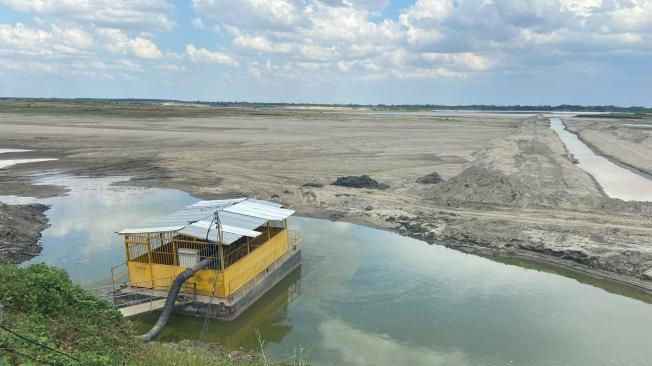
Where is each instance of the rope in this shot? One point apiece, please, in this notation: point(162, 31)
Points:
point(38, 343)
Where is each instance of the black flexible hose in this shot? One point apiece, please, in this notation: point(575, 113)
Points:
point(171, 299)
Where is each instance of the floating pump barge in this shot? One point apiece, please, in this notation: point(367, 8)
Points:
point(243, 245)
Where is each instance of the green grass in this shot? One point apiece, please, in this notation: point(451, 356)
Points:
point(65, 325)
point(188, 354)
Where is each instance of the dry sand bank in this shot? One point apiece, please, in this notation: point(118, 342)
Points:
point(510, 189)
point(626, 140)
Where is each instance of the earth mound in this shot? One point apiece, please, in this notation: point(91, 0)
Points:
point(432, 178)
point(362, 181)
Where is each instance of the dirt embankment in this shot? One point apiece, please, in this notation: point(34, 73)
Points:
point(20, 231)
point(522, 193)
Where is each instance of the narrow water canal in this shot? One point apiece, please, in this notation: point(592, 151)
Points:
point(369, 297)
point(616, 180)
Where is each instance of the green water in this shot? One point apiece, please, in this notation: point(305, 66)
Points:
point(369, 297)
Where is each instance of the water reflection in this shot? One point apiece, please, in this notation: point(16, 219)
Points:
point(4, 151)
point(372, 297)
point(608, 286)
point(269, 316)
point(81, 237)
point(6, 163)
point(366, 296)
point(351, 346)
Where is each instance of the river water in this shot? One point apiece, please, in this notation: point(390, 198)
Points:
point(369, 297)
point(616, 180)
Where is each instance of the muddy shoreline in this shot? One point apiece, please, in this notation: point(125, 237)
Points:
point(509, 188)
point(20, 231)
point(620, 143)
point(613, 159)
point(551, 259)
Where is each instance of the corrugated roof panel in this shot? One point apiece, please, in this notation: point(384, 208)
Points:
point(240, 231)
point(259, 210)
point(267, 203)
point(227, 228)
point(151, 230)
point(241, 221)
point(239, 217)
point(218, 202)
point(200, 233)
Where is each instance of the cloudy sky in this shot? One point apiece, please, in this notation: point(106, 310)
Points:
point(330, 51)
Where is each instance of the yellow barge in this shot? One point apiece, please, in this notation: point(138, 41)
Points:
point(243, 246)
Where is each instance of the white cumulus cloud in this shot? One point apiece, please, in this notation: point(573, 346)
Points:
point(202, 55)
point(141, 14)
point(59, 41)
point(118, 42)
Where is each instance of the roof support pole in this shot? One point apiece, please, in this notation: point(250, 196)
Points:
point(149, 259)
point(175, 261)
point(269, 232)
point(220, 249)
point(128, 259)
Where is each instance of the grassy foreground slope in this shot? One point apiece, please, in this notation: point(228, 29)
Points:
point(47, 319)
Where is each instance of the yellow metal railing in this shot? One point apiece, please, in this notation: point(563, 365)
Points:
point(116, 279)
point(147, 248)
point(144, 290)
point(293, 243)
point(294, 237)
point(265, 253)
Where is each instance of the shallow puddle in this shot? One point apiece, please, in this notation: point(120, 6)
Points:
point(6, 163)
point(617, 181)
point(4, 151)
point(370, 297)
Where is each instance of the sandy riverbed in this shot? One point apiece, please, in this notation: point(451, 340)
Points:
point(510, 187)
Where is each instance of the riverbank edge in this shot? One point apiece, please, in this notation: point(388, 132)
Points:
point(572, 158)
point(634, 169)
point(531, 256)
point(21, 229)
point(468, 247)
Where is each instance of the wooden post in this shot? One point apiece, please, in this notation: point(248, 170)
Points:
point(269, 233)
point(126, 260)
point(127, 249)
point(220, 248)
point(149, 258)
point(248, 250)
point(174, 252)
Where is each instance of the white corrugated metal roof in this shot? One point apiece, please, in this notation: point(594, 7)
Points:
point(239, 217)
point(259, 210)
point(203, 225)
point(150, 229)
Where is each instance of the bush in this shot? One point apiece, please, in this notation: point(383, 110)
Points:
point(42, 304)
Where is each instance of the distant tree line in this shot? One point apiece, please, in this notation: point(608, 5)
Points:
point(396, 107)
